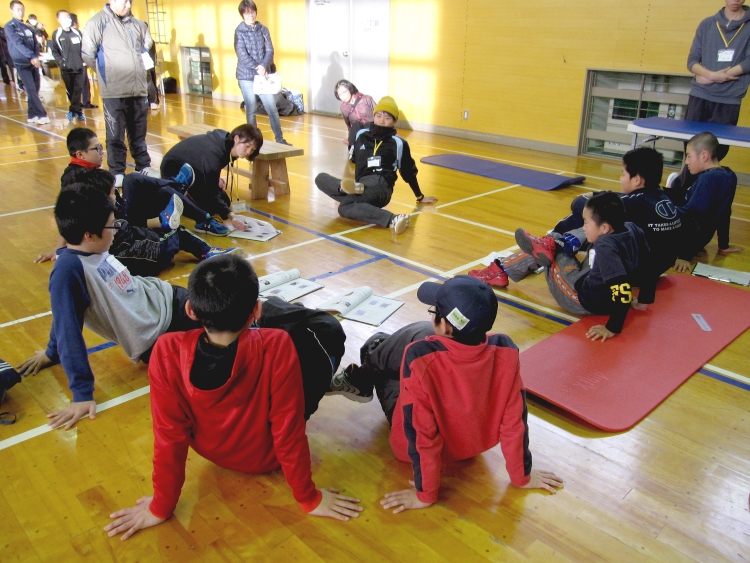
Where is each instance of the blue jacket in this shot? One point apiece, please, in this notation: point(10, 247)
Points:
point(22, 45)
point(253, 48)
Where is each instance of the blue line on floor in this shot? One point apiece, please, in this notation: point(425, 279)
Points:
point(725, 379)
point(348, 268)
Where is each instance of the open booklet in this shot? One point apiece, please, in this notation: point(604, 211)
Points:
point(721, 274)
point(361, 305)
point(287, 285)
point(254, 229)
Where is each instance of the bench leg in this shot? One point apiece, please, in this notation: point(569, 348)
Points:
point(259, 182)
point(279, 177)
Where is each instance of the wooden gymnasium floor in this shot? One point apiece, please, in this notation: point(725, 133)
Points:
point(674, 488)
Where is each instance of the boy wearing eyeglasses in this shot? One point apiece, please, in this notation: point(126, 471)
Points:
point(146, 249)
point(449, 390)
point(90, 287)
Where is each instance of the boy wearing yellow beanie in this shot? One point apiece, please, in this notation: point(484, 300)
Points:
point(378, 153)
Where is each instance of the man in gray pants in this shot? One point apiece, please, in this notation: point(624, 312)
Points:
point(113, 44)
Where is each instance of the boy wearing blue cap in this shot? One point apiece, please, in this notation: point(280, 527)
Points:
point(449, 390)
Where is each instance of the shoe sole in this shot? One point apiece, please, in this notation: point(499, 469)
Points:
point(401, 226)
point(351, 396)
point(174, 220)
point(525, 244)
point(193, 179)
point(207, 232)
point(350, 187)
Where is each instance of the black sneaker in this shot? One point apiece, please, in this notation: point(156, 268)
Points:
point(352, 384)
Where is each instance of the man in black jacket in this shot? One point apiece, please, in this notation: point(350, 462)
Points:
point(66, 48)
point(6, 63)
point(208, 155)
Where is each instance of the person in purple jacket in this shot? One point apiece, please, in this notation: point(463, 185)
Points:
point(252, 43)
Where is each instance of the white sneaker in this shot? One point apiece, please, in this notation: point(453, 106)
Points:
point(671, 178)
point(399, 223)
point(149, 171)
point(349, 186)
point(32, 120)
point(43, 120)
point(154, 106)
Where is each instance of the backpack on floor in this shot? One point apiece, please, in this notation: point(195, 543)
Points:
point(295, 96)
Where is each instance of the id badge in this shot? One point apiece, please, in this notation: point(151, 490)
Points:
point(726, 55)
point(239, 206)
point(75, 40)
point(373, 162)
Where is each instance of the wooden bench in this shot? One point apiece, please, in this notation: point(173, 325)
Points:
point(269, 167)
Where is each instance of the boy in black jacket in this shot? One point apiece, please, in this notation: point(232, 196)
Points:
point(66, 48)
point(377, 153)
point(603, 283)
point(709, 201)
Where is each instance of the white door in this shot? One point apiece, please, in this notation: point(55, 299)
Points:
point(347, 39)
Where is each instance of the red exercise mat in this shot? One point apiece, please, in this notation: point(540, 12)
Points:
point(615, 384)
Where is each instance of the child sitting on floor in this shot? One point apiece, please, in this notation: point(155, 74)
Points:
point(646, 205)
point(603, 283)
point(234, 395)
point(144, 251)
point(90, 287)
point(709, 201)
point(378, 153)
point(449, 390)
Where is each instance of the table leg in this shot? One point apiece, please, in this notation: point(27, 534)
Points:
point(279, 177)
point(259, 182)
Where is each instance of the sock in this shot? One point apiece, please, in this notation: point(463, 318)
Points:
point(569, 243)
point(499, 264)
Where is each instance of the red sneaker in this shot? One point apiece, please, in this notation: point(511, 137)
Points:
point(541, 248)
point(492, 275)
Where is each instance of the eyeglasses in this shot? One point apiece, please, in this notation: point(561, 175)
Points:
point(115, 227)
point(97, 148)
point(433, 311)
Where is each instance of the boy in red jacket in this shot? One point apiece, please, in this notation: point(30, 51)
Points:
point(234, 395)
point(459, 392)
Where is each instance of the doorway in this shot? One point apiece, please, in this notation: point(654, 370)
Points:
point(347, 39)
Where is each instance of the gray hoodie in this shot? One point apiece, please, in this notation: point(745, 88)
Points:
point(112, 46)
point(705, 50)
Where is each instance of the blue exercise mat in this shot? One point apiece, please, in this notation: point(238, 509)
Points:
point(505, 172)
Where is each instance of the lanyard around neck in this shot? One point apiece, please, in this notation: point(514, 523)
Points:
point(723, 37)
point(377, 146)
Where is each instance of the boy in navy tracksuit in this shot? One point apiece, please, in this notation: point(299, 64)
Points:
point(66, 48)
point(450, 391)
point(603, 283)
point(709, 201)
point(377, 153)
point(24, 50)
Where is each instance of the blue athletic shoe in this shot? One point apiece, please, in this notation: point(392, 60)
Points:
point(70, 116)
point(212, 227)
point(186, 176)
point(216, 251)
point(170, 217)
point(80, 116)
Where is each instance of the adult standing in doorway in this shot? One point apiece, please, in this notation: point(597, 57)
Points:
point(720, 60)
point(24, 50)
point(113, 43)
point(252, 43)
